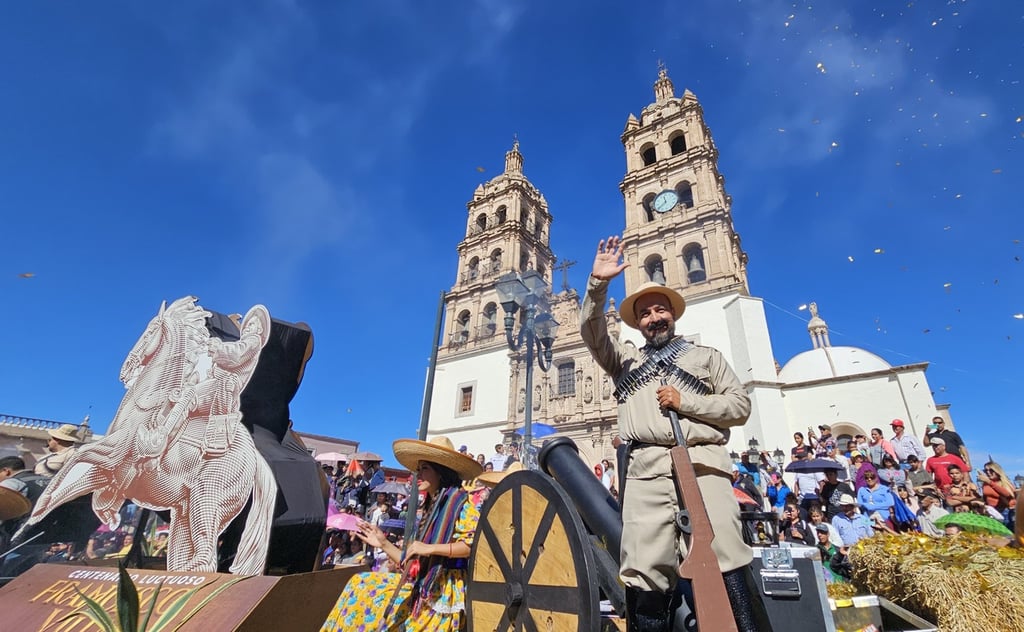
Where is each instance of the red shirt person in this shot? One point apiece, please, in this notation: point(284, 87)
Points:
point(939, 463)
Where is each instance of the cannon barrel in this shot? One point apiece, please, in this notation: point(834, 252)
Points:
point(560, 459)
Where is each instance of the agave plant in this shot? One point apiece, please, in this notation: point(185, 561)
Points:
point(128, 607)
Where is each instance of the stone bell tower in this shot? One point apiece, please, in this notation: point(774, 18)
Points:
point(679, 230)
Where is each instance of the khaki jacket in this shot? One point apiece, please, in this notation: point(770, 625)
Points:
point(705, 420)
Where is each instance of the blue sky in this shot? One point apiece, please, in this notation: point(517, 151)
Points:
point(317, 158)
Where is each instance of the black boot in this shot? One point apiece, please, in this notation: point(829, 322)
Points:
point(749, 616)
point(647, 611)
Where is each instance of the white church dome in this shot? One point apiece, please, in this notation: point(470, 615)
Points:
point(829, 362)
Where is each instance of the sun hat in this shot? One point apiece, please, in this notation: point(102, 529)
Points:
point(626, 309)
point(13, 504)
point(847, 499)
point(440, 450)
point(66, 432)
point(937, 441)
point(490, 479)
point(897, 423)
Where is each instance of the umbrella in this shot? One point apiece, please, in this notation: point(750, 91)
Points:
point(539, 430)
point(343, 521)
point(366, 456)
point(394, 524)
point(744, 498)
point(331, 457)
point(353, 468)
point(813, 465)
point(391, 487)
point(975, 523)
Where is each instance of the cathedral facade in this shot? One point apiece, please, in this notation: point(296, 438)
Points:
point(679, 232)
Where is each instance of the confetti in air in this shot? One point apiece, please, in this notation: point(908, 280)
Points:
point(27, 275)
point(1019, 316)
point(879, 251)
point(802, 307)
point(850, 259)
point(821, 67)
point(481, 169)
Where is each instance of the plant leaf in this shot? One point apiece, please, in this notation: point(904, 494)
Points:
point(152, 606)
point(208, 599)
point(95, 612)
point(127, 600)
point(173, 609)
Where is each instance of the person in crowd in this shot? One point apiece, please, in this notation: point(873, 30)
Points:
point(878, 447)
point(904, 444)
point(891, 475)
point(777, 492)
point(930, 510)
point(954, 444)
point(918, 477)
point(876, 498)
point(749, 468)
point(356, 553)
point(952, 530)
point(961, 494)
point(851, 524)
point(938, 464)
point(433, 600)
point(908, 497)
point(513, 456)
point(831, 491)
point(860, 466)
point(821, 446)
point(816, 516)
point(836, 456)
point(743, 482)
point(807, 486)
point(800, 450)
point(481, 459)
point(829, 552)
point(651, 543)
point(999, 491)
point(375, 476)
point(158, 548)
point(607, 474)
point(61, 446)
point(499, 457)
point(793, 528)
point(598, 471)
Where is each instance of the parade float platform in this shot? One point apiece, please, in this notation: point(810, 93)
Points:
point(39, 599)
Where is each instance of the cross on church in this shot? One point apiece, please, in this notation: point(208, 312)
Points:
point(564, 267)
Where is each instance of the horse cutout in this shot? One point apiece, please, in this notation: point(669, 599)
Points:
point(177, 442)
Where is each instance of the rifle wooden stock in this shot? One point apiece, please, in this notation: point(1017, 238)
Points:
point(711, 601)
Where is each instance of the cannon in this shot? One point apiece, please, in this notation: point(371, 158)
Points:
point(546, 549)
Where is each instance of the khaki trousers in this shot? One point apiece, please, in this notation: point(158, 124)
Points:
point(652, 546)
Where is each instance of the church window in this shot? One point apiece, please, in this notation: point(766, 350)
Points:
point(464, 399)
point(524, 215)
point(677, 142)
point(462, 328)
point(524, 262)
point(648, 154)
point(685, 193)
point(693, 259)
point(540, 269)
point(655, 268)
point(567, 378)
point(496, 261)
point(490, 324)
point(481, 223)
point(474, 269)
point(648, 208)
point(501, 215)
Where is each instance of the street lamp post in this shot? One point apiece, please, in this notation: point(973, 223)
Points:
point(528, 292)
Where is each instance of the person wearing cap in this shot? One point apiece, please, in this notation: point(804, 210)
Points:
point(860, 466)
point(954, 444)
point(61, 445)
point(938, 464)
point(828, 552)
point(824, 444)
point(651, 543)
point(433, 598)
point(929, 511)
point(851, 525)
point(904, 444)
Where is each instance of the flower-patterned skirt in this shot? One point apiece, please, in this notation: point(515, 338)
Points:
point(361, 606)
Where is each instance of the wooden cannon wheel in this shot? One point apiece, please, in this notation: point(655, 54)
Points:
point(532, 567)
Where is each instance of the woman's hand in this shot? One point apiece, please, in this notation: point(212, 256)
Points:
point(419, 549)
point(370, 534)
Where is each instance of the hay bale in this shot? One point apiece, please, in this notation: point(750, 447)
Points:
point(964, 584)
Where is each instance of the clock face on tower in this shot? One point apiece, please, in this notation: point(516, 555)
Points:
point(665, 201)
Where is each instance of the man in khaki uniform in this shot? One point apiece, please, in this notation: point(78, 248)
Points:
point(651, 544)
point(61, 445)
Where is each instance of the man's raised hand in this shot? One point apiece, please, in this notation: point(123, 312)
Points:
point(607, 260)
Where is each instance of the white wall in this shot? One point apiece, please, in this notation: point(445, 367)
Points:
point(479, 430)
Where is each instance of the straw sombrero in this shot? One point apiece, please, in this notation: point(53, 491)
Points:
point(13, 504)
point(67, 432)
point(491, 479)
point(626, 309)
point(440, 450)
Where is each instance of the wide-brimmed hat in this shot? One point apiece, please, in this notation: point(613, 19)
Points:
point(440, 450)
point(490, 479)
point(847, 499)
point(67, 432)
point(13, 504)
point(675, 299)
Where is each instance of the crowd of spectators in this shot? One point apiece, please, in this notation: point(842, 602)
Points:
point(876, 484)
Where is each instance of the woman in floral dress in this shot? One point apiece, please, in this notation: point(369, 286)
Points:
point(429, 595)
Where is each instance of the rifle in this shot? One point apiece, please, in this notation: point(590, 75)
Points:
point(711, 601)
